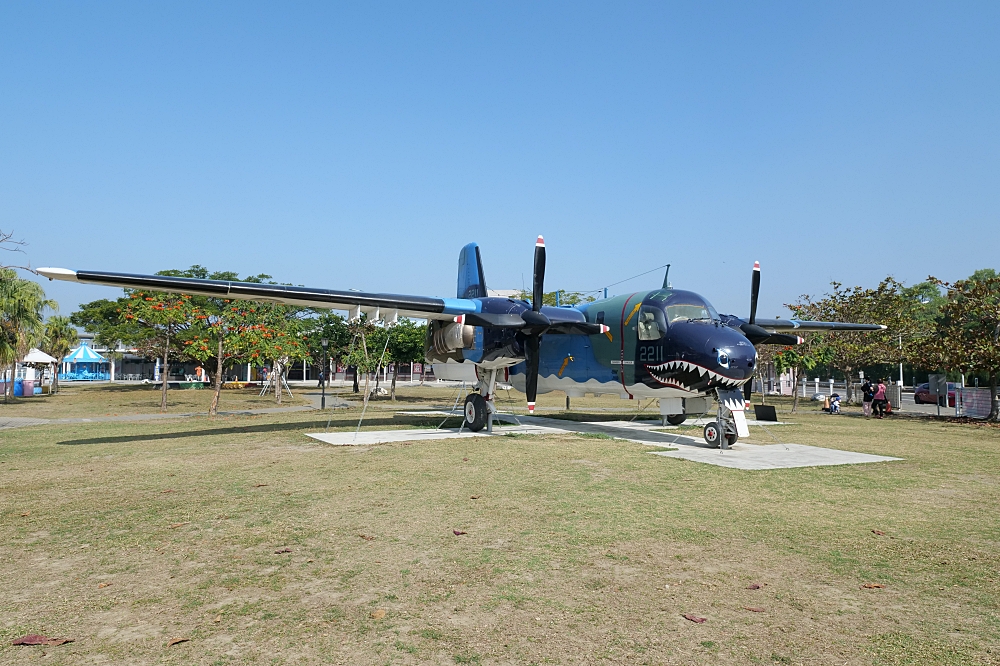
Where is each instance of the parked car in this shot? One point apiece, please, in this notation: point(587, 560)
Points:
point(922, 395)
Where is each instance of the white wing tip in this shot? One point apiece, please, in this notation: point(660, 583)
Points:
point(58, 274)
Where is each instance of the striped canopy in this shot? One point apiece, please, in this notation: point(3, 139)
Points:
point(84, 354)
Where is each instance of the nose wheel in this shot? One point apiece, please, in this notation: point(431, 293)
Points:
point(715, 435)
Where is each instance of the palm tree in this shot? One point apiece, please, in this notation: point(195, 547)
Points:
point(21, 305)
point(60, 338)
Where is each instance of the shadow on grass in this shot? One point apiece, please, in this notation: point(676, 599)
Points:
point(337, 423)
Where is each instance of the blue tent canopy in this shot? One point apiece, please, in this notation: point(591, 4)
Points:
point(84, 354)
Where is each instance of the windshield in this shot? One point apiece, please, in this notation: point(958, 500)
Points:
point(690, 311)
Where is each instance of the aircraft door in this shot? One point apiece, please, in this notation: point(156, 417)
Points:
point(629, 337)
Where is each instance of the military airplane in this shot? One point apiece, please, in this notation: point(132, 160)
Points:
point(664, 343)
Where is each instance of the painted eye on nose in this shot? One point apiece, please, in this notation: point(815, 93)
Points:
point(723, 359)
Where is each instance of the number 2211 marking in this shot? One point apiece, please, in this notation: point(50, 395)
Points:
point(650, 354)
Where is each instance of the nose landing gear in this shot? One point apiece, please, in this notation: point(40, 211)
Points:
point(730, 423)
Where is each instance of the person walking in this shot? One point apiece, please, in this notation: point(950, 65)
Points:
point(867, 395)
point(878, 401)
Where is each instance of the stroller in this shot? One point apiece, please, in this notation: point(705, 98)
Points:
point(835, 403)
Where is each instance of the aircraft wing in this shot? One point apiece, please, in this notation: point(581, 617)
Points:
point(779, 325)
point(377, 305)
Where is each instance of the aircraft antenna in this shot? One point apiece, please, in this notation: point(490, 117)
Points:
point(666, 276)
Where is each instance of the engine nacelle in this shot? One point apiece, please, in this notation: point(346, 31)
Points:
point(446, 338)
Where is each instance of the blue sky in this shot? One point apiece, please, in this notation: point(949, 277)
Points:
point(360, 146)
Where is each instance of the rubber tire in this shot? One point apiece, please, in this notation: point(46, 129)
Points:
point(475, 412)
point(731, 439)
point(676, 419)
point(712, 434)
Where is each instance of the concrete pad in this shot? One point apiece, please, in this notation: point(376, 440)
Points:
point(369, 437)
point(771, 456)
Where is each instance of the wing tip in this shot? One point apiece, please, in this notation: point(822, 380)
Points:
point(53, 273)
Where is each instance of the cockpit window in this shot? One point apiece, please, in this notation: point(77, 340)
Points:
point(652, 325)
point(691, 312)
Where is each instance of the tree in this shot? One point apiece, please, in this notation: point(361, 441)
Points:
point(60, 338)
point(967, 336)
point(162, 317)
point(564, 297)
point(333, 328)
point(215, 327)
point(887, 304)
point(269, 331)
point(805, 356)
point(361, 354)
point(406, 345)
point(22, 303)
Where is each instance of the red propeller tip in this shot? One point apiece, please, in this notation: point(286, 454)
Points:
point(460, 319)
point(756, 265)
point(605, 329)
point(540, 242)
point(531, 408)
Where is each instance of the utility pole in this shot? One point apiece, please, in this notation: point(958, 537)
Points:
point(901, 364)
point(326, 371)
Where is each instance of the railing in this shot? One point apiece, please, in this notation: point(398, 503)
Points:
point(84, 376)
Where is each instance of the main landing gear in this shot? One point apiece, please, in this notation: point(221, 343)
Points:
point(479, 406)
point(476, 412)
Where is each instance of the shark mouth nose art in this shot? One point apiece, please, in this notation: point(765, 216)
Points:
point(685, 375)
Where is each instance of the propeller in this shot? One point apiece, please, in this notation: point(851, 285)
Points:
point(751, 327)
point(535, 325)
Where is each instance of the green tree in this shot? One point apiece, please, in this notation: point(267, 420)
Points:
point(406, 345)
point(888, 304)
point(22, 303)
point(60, 339)
point(967, 336)
point(333, 328)
point(803, 357)
point(564, 297)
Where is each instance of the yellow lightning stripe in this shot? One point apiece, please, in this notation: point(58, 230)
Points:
point(632, 314)
point(608, 333)
point(565, 363)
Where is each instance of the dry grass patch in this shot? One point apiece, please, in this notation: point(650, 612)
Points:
point(575, 549)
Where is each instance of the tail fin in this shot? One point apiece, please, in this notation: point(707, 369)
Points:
point(471, 280)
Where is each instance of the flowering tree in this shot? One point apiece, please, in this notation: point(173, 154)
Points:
point(268, 331)
point(163, 316)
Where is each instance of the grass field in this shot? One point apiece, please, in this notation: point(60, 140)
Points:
point(260, 545)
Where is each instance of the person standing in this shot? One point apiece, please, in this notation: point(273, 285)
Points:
point(879, 400)
point(867, 395)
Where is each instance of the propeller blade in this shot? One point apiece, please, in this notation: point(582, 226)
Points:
point(538, 278)
point(531, 370)
point(754, 291)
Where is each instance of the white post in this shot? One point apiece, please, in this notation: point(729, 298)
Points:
point(112, 369)
point(831, 386)
point(817, 385)
point(248, 372)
